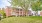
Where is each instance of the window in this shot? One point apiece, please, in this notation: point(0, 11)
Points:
point(20, 9)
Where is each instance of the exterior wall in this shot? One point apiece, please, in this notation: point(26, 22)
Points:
point(7, 11)
point(16, 11)
point(41, 13)
point(21, 12)
point(29, 13)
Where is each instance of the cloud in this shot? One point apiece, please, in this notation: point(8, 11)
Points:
point(4, 3)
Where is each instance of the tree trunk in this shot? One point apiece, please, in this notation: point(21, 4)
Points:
point(36, 13)
point(26, 13)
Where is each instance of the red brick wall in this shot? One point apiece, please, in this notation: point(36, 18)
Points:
point(18, 11)
point(41, 13)
point(7, 10)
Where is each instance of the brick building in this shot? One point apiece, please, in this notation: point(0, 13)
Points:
point(16, 11)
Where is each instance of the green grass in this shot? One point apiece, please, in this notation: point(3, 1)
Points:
point(31, 19)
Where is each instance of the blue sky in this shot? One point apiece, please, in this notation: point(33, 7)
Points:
point(4, 3)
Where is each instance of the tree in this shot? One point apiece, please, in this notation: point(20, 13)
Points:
point(3, 13)
point(22, 3)
point(36, 6)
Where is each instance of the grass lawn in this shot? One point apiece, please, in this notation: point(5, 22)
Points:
point(32, 19)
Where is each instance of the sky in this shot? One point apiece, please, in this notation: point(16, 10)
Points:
point(4, 3)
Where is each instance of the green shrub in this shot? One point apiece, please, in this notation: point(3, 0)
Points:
point(4, 15)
